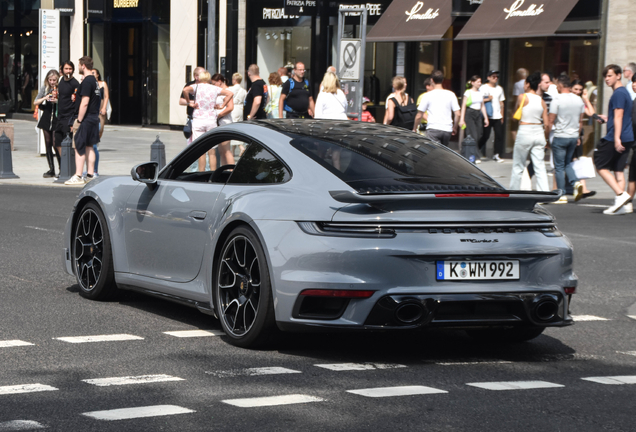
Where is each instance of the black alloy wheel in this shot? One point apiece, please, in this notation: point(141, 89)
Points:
point(92, 255)
point(243, 296)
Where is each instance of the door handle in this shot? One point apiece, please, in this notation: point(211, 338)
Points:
point(197, 214)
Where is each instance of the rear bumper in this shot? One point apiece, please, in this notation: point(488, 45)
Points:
point(414, 311)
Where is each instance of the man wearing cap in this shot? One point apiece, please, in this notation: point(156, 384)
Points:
point(494, 94)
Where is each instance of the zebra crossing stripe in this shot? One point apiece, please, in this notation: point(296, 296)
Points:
point(138, 412)
point(20, 425)
point(13, 343)
point(99, 338)
point(25, 388)
point(396, 391)
point(274, 370)
point(515, 385)
point(358, 366)
point(272, 401)
point(142, 379)
point(193, 333)
point(613, 380)
point(588, 318)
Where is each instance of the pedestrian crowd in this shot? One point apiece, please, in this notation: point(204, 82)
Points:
point(549, 112)
point(69, 108)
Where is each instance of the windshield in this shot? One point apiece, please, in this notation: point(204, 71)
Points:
point(380, 159)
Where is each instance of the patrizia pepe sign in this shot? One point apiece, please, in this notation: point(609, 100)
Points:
point(531, 11)
point(428, 15)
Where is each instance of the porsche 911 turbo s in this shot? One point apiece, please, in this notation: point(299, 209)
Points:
point(335, 225)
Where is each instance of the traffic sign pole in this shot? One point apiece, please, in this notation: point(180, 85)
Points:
point(350, 62)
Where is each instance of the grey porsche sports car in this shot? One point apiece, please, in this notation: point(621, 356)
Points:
point(336, 225)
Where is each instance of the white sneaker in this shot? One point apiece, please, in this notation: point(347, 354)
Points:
point(619, 202)
point(629, 207)
point(496, 158)
point(562, 200)
point(578, 191)
point(75, 180)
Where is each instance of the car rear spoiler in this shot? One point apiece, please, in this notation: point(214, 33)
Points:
point(505, 200)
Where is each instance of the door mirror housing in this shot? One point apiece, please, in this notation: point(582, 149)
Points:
point(145, 172)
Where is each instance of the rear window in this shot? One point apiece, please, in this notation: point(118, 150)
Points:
point(384, 162)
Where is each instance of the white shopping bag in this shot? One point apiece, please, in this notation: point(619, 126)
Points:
point(584, 168)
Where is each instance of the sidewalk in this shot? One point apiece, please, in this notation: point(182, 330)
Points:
point(122, 147)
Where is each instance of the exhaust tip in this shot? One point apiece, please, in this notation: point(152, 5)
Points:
point(546, 308)
point(410, 312)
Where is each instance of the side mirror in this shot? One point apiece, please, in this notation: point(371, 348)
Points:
point(145, 172)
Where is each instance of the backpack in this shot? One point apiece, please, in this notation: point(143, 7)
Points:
point(291, 82)
point(404, 116)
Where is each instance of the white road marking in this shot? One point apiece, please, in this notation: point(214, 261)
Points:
point(142, 379)
point(13, 343)
point(20, 425)
point(99, 338)
point(515, 385)
point(593, 205)
point(45, 229)
point(358, 366)
point(396, 391)
point(588, 318)
point(627, 352)
point(138, 412)
point(25, 388)
point(192, 333)
point(272, 401)
point(613, 380)
point(274, 370)
point(631, 316)
point(473, 363)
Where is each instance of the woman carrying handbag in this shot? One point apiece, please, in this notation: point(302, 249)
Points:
point(532, 113)
point(46, 101)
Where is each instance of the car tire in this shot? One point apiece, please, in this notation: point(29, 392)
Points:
point(505, 335)
point(92, 255)
point(242, 291)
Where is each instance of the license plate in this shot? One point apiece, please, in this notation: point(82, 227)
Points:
point(478, 270)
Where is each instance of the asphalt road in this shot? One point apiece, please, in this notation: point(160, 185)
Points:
point(203, 379)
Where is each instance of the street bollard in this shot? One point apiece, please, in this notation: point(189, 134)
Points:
point(158, 153)
point(67, 161)
point(6, 163)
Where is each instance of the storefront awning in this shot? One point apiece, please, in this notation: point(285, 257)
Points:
point(501, 19)
point(411, 20)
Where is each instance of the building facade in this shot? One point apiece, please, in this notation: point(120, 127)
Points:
point(147, 49)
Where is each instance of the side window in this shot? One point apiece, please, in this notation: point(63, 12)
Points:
point(259, 166)
point(204, 157)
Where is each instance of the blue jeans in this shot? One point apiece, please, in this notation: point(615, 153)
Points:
point(563, 150)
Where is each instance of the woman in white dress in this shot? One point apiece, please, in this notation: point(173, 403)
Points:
point(204, 117)
point(239, 97)
point(331, 102)
point(224, 117)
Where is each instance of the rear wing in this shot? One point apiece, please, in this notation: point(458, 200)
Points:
point(504, 200)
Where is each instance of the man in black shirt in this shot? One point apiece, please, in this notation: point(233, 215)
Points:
point(295, 97)
point(86, 125)
point(66, 89)
point(257, 96)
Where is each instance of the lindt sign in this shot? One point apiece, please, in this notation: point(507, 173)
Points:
point(428, 15)
point(514, 11)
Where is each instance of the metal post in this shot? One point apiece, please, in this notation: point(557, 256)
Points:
point(158, 153)
point(6, 163)
point(356, 100)
point(67, 161)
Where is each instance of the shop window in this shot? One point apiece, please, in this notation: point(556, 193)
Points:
point(281, 46)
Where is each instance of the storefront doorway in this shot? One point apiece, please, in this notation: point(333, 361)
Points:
point(126, 74)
